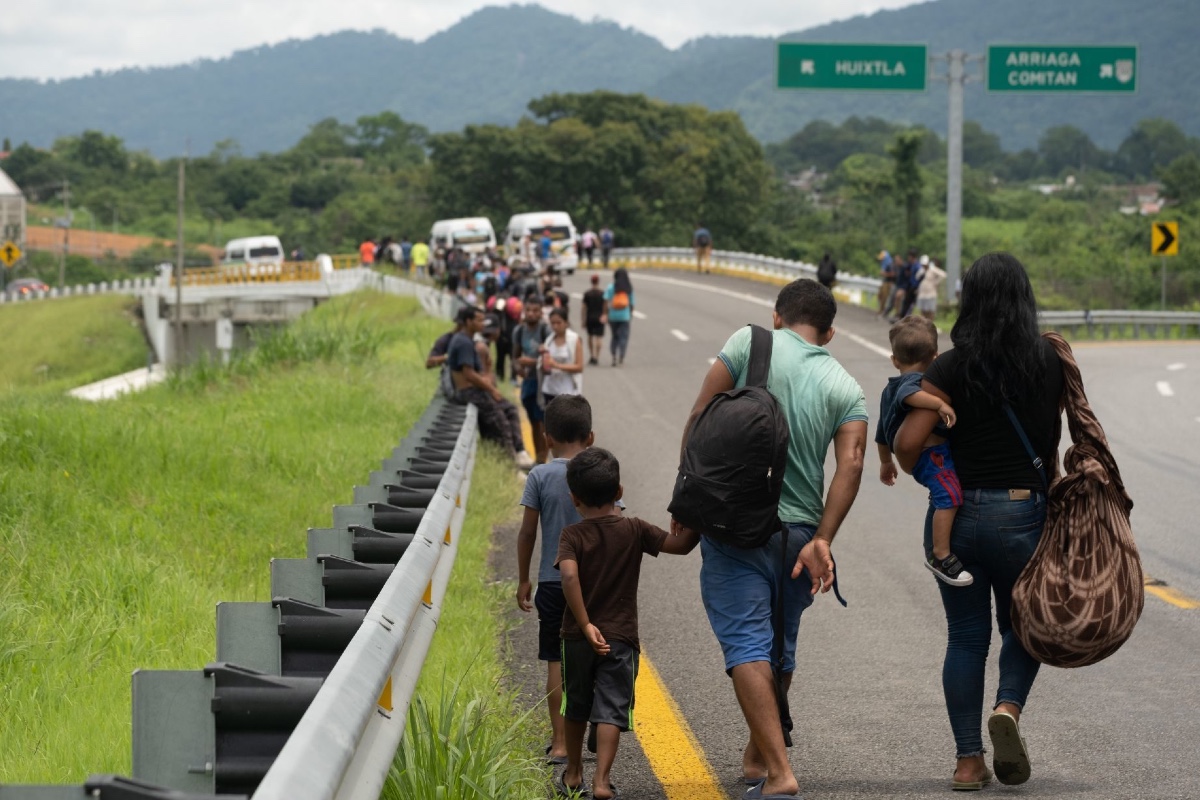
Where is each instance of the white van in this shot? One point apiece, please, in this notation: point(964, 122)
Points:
point(562, 233)
point(256, 251)
point(472, 234)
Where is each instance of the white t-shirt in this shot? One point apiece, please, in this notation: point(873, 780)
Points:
point(558, 382)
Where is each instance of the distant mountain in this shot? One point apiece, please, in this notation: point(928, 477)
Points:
point(491, 64)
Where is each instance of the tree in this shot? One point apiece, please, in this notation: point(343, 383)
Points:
point(906, 175)
point(981, 149)
point(7, 145)
point(1181, 179)
point(1065, 147)
point(1153, 143)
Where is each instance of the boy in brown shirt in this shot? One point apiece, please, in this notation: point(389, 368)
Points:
point(600, 560)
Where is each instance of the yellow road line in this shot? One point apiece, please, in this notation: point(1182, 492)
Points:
point(668, 742)
point(1169, 595)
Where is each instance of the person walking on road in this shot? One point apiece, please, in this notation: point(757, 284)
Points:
point(927, 292)
point(594, 319)
point(547, 503)
point(620, 300)
point(589, 242)
point(823, 404)
point(887, 286)
point(600, 560)
point(528, 339)
point(827, 272)
point(606, 245)
point(562, 359)
point(702, 243)
point(366, 252)
point(999, 363)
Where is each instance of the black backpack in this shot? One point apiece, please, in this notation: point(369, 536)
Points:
point(731, 473)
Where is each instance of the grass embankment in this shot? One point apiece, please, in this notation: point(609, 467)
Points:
point(123, 523)
point(56, 345)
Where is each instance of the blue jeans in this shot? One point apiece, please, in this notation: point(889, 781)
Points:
point(620, 338)
point(994, 537)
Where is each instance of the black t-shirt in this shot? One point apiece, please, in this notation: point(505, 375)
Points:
point(988, 454)
point(462, 353)
point(593, 304)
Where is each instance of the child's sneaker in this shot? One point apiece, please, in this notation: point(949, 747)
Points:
point(949, 570)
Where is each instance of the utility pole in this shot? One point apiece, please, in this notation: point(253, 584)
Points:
point(179, 272)
point(956, 77)
point(66, 248)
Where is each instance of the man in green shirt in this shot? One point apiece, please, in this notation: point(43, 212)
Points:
point(823, 404)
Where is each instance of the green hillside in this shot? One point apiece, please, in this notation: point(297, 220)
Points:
point(491, 64)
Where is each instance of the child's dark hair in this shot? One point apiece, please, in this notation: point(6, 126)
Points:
point(914, 340)
point(594, 476)
point(561, 313)
point(569, 418)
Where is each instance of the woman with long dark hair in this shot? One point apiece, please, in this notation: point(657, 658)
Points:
point(999, 362)
point(619, 297)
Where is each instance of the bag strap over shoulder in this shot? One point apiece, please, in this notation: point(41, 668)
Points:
point(1037, 460)
point(759, 366)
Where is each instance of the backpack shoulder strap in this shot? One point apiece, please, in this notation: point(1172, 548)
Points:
point(761, 343)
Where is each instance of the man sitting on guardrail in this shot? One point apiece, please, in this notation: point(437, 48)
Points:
point(499, 420)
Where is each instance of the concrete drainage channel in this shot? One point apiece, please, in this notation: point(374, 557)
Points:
point(308, 695)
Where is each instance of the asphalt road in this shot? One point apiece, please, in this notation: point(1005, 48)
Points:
point(867, 699)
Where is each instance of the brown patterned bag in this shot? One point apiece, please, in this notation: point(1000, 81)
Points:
point(1080, 596)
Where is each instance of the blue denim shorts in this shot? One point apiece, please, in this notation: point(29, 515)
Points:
point(529, 399)
point(738, 587)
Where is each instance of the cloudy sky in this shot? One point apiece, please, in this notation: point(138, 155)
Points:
point(66, 38)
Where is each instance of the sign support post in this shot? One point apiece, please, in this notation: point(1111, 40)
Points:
point(956, 77)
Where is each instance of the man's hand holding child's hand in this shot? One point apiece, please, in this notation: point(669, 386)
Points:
point(596, 640)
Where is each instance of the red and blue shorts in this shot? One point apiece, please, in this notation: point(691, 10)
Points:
point(935, 471)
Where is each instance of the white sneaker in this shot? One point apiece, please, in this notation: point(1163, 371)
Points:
point(524, 461)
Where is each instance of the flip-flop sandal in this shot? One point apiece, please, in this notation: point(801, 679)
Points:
point(1010, 759)
point(753, 781)
point(556, 761)
point(562, 790)
point(972, 786)
point(616, 793)
point(756, 793)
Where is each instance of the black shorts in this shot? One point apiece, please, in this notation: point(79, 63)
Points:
point(550, 605)
point(599, 689)
point(595, 328)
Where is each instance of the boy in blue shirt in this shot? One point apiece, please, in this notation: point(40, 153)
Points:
point(914, 347)
point(547, 500)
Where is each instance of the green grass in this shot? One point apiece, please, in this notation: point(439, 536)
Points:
point(58, 344)
point(123, 523)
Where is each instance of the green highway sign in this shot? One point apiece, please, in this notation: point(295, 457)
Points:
point(873, 67)
point(1061, 68)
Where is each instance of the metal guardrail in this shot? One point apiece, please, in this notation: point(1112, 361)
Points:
point(316, 704)
point(348, 737)
point(1101, 323)
point(748, 264)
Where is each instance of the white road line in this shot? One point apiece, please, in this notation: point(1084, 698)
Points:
point(1164, 389)
point(576, 295)
point(680, 335)
point(749, 298)
point(1176, 367)
point(638, 315)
